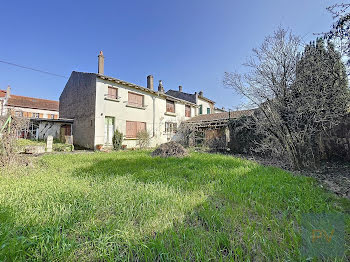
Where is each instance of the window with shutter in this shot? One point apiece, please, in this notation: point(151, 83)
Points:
point(135, 99)
point(188, 111)
point(208, 110)
point(170, 106)
point(112, 93)
point(200, 109)
point(133, 127)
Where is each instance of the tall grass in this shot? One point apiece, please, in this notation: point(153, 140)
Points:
point(129, 206)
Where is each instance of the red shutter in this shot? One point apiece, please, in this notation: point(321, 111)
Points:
point(141, 126)
point(187, 111)
point(112, 93)
point(131, 129)
point(135, 99)
point(170, 106)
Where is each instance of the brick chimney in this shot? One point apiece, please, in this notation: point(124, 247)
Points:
point(150, 82)
point(101, 63)
point(160, 87)
point(180, 88)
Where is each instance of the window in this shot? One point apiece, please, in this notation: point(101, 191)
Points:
point(170, 106)
point(135, 100)
point(133, 127)
point(112, 93)
point(170, 127)
point(200, 109)
point(208, 110)
point(51, 116)
point(187, 111)
point(36, 115)
point(19, 113)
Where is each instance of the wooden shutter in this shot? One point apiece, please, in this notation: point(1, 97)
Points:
point(141, 126)
point(55, 117)
point(29, 114)
point(25, 114)
point(41, 115)
point(131, 129)
point(135, 99)
point(187, 111)
point(112, 93)
point(170, 106)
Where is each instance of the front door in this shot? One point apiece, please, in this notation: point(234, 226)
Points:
point(109, 130)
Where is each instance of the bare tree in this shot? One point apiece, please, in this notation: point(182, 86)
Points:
point(340, 31)
point(294, 96)
point(10, 129)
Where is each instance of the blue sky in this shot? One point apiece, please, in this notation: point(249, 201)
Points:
point(183, 42)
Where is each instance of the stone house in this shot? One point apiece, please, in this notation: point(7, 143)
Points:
point(101, 104)
point(28, 107)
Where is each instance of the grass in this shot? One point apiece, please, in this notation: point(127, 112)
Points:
point(129, 206)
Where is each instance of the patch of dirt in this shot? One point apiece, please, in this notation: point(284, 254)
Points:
point(170, 149)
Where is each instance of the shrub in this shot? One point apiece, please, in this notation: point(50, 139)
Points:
point(117, 140)
point(144, 138)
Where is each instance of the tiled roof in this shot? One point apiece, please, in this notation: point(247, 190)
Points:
point(138, 87)
point(31, 102)
point(181, 95)
point(221, 116)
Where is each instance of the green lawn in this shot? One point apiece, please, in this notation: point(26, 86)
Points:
point(129, 206)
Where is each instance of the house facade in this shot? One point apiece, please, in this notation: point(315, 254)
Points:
point(101, 104)
point(28, 107)
point(205, 106)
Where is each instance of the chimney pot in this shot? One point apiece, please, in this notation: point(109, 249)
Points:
point(101, 62)
point(180, 88)
point(160, 86)
point(150, 82)
point(201, 93)
point(8, 91)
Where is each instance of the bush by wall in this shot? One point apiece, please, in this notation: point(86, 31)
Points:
point(117, 140)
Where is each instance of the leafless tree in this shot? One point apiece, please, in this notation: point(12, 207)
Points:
point(144, 139)
point(288, 123)
point(10, 131)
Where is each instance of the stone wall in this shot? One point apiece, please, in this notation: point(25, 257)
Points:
point(77, 102)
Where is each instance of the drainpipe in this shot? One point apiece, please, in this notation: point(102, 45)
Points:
point(154, 115)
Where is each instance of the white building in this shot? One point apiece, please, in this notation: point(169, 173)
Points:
point(28, 107)
point(101, 104)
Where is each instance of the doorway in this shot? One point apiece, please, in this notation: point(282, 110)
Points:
point(109, 130)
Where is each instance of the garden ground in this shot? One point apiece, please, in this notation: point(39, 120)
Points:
point(130, 206)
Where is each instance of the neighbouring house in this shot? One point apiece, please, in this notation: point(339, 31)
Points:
point(205, 105)
point(42, 113)
point(29, 107)
point(101, 104)
point(219, 110)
